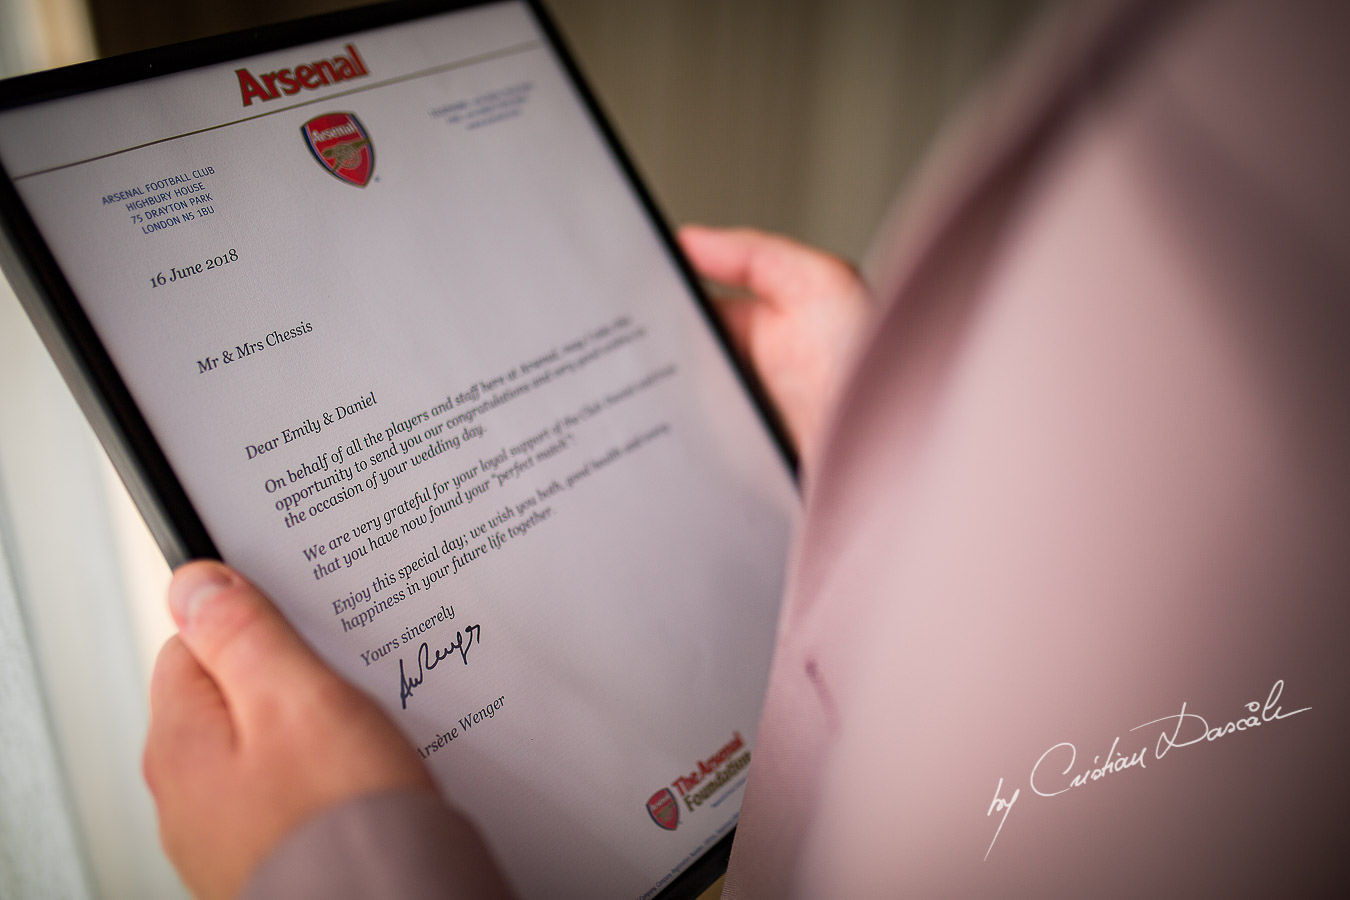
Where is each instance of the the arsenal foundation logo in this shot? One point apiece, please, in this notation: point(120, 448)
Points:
point(341, 145)
point(708, 778)
point(664, 810)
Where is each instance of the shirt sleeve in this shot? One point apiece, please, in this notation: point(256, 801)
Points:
point(405, 844)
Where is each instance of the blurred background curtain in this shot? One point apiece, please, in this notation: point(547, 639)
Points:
point(800, 116)
point(75, 820)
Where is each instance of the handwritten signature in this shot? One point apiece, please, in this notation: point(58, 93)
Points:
point(1182, 729)
point(428, 659)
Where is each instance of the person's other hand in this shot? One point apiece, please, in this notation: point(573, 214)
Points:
point(794, 312)
point(251, 734)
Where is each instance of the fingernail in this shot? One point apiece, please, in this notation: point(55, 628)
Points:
point(193, 586)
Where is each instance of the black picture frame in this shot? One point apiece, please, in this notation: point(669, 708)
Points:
point(99, 389)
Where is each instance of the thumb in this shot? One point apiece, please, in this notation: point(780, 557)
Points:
point(239, 638)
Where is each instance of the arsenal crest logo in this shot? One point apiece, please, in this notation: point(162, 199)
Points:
point(664, 810)
point(340, 143)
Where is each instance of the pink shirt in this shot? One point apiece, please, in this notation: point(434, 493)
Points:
point(1093, 465)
